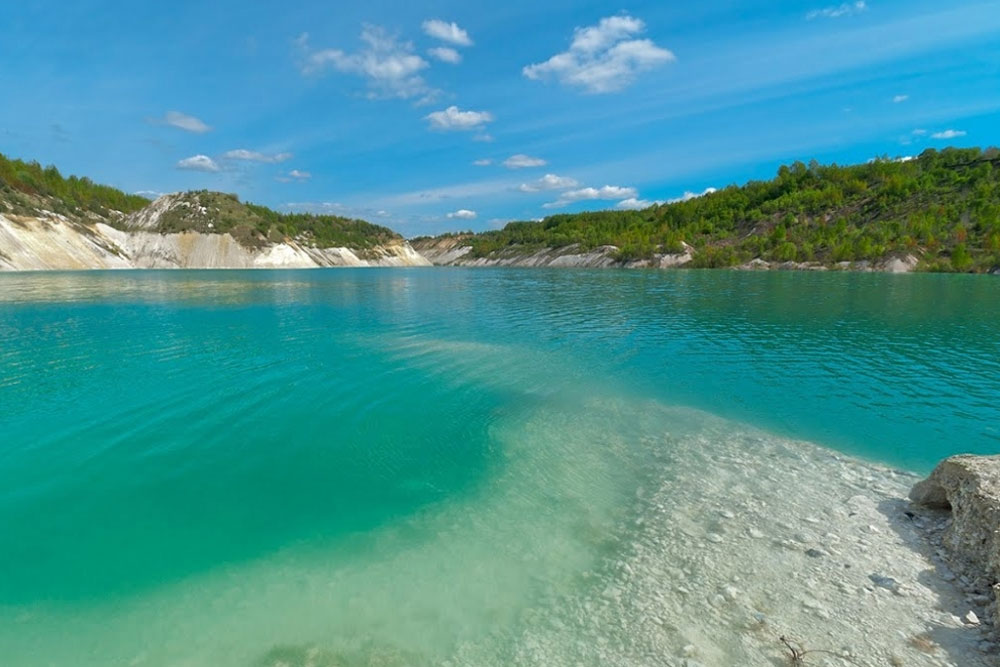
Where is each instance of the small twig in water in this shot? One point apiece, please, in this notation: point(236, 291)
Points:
point(797, 653)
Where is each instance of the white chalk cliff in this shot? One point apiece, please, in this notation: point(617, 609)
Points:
point(49, 241)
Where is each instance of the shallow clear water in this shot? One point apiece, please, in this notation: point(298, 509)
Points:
point(405, 466)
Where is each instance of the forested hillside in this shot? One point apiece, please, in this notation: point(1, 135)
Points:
point(26, 186)
point(29, 189)
point(942, 207)
point(254, 226)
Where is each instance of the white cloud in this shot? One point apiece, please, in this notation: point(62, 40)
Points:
point(182, 121)
point(447, 32)
point(846, 9)
point(688, 195)
point(919, 132)
point(585, 194)
point(254, 156)
point(522, 161)
point(634, 204)
point(294, 175)
point(458, 193)
point(454, 118)
point(198, 163)
point(337, 208)
point(603, 58)
point(549, 182)
point(463, 214)
point(484, 137)
point(445, 54)
point(948, 134)
point(389, 65)
point(485, 162)
point(900, 98)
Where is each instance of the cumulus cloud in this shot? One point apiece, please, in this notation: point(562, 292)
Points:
point(445, 54)
point(447, 32)
point(634, 204)
point(948, 134)
point(900, 98)
point(390, 66)
point(585, 194)
point(549, 182)
point(454, 118)
point(254, 156)
point(182, 121)
point(463, 214)
point(294, 175)
point(687, 196)
point(485, 162)
point(522, 161)
point(198, 163)
point(846, 9)
point(603, 58)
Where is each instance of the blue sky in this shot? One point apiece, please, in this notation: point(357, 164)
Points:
point(443, 115)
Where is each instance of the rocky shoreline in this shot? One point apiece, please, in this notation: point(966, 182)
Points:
point(959, 508)
point(455, 251)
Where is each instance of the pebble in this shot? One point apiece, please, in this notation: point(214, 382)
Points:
point(814, 553)
point(971, 618)
point(714, 537)
point(756, 534)
point(885, 582)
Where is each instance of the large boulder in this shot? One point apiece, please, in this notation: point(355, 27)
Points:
point(968, 486)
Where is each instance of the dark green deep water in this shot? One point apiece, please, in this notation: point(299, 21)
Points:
point(197, 467)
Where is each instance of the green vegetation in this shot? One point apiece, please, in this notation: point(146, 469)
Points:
point(255, 226)
point(942, 207)
point(26, 187)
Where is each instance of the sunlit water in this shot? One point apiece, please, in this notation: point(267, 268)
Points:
point(408, 467)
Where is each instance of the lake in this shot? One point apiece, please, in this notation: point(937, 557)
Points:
point(430, 466)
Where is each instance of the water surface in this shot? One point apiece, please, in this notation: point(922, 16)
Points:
point(236, 468)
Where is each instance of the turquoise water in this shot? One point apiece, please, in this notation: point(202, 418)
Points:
point(405, 466)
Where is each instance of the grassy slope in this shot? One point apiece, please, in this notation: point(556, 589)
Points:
point(943, 207)
point(254, 226)
point(27, 188)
